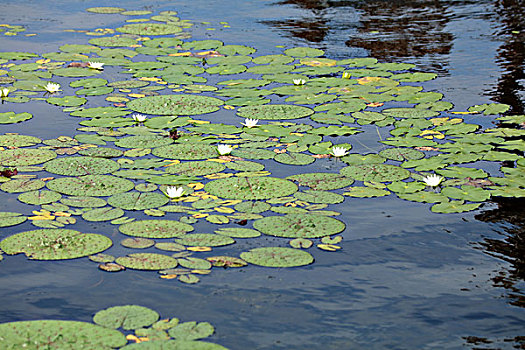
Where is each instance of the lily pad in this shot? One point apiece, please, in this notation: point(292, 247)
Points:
point(67, 101)
point(64, 335)
point(137, 243)
point(454, 207)
point(18, 140)
point(55, 244)
point(194, 263)
point(22, 185)
point(143, 141)
point(126, 317)
point(204, 240)
point(138, 200)
point(274, 112)
point(103, 214)
point(155, 228)
point(175, 104)
point(401, 154)
point(25, 156)
point(294, 158)
point(147, 261)
point(39, 197)
point(75, 166)
point(11, 219)
point(251, 187)
point(226, 261)
point(149, 29)
point(238, 232)
point(84, 202)
point(245, 165)
point(12, 117)
point(277, 257)
point(90, 185)
point(252, 207)
point(197, 168)
point(105, 9)
point(174, 344)
point(101, 152)
point(191, 330)
point(186, 151)
point(322, 181)
point(299, 226)
point(375, 172)
point(365, 192)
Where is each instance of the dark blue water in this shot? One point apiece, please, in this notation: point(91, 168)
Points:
point(406, 278)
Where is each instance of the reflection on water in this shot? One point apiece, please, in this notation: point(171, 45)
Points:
point(510, 247)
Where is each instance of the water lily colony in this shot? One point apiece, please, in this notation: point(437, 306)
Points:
point(153, 141)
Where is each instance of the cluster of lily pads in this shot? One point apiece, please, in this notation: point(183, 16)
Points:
point(153, 141)
point(140, 328)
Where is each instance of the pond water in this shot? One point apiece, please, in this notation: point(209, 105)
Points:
point(405, 278)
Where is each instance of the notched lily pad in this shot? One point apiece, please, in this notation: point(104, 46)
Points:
point(274, 112)
point(90, 185)
point(147, 261)
point(55, 244)
point(277, 257)
point(155, 228)
point(126, 317)
point(76, 166)
point(299, 226)
point(251, 187)
point(175, 104)
point(204, 240)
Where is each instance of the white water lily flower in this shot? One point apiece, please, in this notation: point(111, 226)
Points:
point(4, 92)
point(299, 81)
point(346, 75)
point(250, 123)
point(174, 192)
point(52, 87)
point(96, 65)
point(224, 149)
point(432, 180)
point(139, 118)
point(339, 151)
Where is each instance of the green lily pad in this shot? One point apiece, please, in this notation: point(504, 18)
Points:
point(469, 193)
point(149, 29)
point(194, 263)
point(375, 172)
point(294, 158)
point(191, 330)
point(321, 181)
point(274, 112)
point(11, 219)
point(22, 185)
point(62, 334)
point(90, 185)
point(55, 244)
point(84, 202)
point(197, 168)
point(155, 228)
point(147, 261)
point(75, 166)
point(137, 243)
point(101, 258)
point(105, 9)
point(253, 207)
point(39, 197)
point(18, 140)
point(25, 156)
point(95, 91)
point(186, 151)
point(75, 72)
point(128, 84)
point(315, 196)
point(251, 187)
point(237, 232)
point(490, 108)
point(454, 207)
point(299, 243)
point(126, 317)
point(423, 196)
point(401, 154)
point(67, 101)
point(299, 226)
point(204, 240)
point(100, 112)
point(277, 257)
point(365, 191)
point(253, 153)
point(138, 200)
point(113, 41)
point(175, 104)
point(170, 246)
point(103, 214)
point(101, 152)
point(12, 117)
